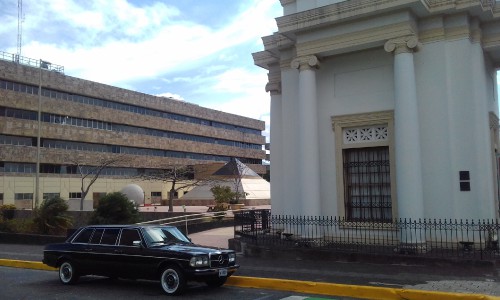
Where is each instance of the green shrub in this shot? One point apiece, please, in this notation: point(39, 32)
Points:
point(51, 217)
point(7, 211)
point(17, 226)
point(222, 196)
point(115, 208)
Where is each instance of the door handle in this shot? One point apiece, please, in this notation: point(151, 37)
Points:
point(89, 249)
point(118, 251)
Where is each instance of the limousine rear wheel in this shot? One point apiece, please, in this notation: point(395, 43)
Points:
point(172, 281)
point(68, 273)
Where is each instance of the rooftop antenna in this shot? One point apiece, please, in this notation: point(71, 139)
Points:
point(20, 20)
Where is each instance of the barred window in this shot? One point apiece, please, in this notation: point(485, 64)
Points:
point(367, 184)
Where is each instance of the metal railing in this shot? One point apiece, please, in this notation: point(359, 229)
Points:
point(35, 63)
point(466, 239)
point(189, 219)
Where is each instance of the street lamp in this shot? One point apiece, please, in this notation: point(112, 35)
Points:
point(42, 65)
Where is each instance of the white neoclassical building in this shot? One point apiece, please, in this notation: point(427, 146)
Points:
point(384, 109)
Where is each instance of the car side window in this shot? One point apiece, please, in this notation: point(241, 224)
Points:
point(84, 236)
point(129, 236)
point(96, 237)
point(110, 236)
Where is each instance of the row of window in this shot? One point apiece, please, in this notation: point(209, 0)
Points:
point(16, 167)
point(80, 146)
point(72, 195)
point(24, 88)
point(72, 121)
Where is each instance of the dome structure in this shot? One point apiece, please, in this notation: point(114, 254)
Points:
point(134, 193)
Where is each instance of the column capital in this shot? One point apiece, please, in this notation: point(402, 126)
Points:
point(305, 62)
point(274, 87)
point(405, 44)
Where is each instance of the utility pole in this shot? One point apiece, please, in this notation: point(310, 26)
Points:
point(20, 20)
point(39, 117)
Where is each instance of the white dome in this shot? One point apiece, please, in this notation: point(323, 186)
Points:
point(134, 193)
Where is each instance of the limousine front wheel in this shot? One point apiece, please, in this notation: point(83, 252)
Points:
point(67, 273)
point(172, 281)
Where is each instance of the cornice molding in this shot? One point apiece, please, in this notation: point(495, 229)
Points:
point(286, 64)
point(305, 62)
point(264, 59)
point(327, 15)
point(352, 120)
point(493, 120)
point(274, 88)
point(286, 2)
point(354, 40)
point(405, 44)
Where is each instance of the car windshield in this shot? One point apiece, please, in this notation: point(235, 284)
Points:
point(164, 235)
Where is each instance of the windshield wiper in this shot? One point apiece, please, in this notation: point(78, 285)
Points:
point(158, 242)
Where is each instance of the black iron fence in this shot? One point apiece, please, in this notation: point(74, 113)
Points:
point(466, 239)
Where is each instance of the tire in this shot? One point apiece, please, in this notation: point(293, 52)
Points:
point(217, 282)
point(68, 273)
point(172, 281)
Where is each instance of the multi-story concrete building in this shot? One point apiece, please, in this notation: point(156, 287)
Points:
point(384, 109)
point(55, 120)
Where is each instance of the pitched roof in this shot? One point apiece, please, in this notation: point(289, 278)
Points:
point(235, 168)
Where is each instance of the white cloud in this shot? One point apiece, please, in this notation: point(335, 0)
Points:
point(170, 95)
point(118, 43)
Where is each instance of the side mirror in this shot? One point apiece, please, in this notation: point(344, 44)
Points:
point(137, 244)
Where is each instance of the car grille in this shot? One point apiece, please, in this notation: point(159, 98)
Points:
point(219, 260)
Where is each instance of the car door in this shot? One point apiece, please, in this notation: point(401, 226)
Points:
point(104, 264)
point(129, 257)
point(81, 252)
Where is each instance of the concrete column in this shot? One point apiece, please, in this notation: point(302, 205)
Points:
point(308, 136)
point(276, 149)
point(407, 136)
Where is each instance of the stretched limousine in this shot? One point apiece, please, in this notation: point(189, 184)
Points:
point(140, 252)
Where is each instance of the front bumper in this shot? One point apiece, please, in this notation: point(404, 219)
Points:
point(211, 272)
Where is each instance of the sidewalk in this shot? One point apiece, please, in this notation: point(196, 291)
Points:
point(457, 279)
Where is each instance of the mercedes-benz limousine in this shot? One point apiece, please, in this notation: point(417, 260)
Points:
point(139, 252)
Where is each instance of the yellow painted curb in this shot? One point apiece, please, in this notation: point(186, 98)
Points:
point(37, 265)
point(355, 291)
point(308, 287)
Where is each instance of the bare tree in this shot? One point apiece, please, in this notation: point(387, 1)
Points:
point(90, 173)
point(179, 176)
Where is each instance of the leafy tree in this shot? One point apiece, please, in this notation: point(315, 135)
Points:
point(222, 196)
point(115, 208)
point(51, 217)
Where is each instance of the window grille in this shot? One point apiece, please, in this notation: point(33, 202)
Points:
point(367, 184)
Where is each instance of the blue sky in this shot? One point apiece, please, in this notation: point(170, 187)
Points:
point(194, 50)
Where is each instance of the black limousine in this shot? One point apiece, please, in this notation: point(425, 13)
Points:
point(139, 252)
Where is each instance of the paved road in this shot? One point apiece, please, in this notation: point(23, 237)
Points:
point(36, 284)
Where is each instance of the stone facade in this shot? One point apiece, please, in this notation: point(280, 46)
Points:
point(10, 184)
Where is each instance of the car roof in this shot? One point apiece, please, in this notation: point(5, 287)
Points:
point(126, 226)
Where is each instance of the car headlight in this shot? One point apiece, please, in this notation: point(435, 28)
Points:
point(232, 257)
point(198, 261)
